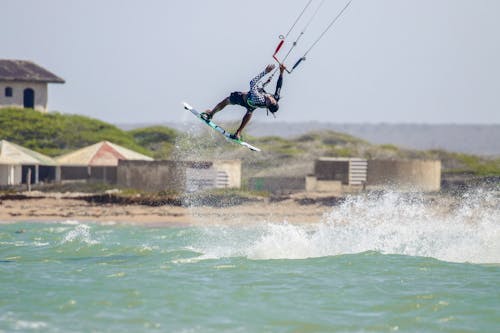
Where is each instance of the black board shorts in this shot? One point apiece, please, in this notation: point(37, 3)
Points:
point(237, 98)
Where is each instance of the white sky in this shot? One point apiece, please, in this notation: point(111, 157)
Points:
point(394, 61)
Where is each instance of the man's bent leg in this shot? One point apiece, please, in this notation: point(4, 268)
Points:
point(244, 122)
point(222, 104)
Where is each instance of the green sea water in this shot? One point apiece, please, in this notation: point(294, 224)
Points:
point(370, 265)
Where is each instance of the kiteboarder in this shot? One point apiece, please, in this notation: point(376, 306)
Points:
point(255, 98)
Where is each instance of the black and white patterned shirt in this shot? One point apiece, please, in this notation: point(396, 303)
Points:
point(256, 96)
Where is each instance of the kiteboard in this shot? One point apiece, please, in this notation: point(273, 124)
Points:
point(219, 129)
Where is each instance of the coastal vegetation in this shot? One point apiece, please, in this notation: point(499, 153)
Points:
point(159, 140)
point(55, 133)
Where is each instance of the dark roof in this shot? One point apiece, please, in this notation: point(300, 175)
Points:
point(21, 70)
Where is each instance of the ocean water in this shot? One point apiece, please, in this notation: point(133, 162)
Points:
point(373, 264)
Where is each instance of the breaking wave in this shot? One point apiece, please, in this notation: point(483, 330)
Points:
point(455, 229)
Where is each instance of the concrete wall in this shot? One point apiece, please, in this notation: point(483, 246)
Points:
point(277, 184)
point(233, 170)
point(411, 175)
point(331, 186)
point(17, 99)
point(200, 179)
point(156, 175)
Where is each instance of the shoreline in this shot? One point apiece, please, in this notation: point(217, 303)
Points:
point(297, 208)
point(66, 207)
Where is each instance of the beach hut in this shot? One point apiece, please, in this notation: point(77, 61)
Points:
point(20, 165)
point(25, 84)
point(97, 162)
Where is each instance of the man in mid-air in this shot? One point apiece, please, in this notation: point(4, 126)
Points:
point(255, 98)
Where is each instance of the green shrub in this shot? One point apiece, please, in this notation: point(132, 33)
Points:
point(55, 134)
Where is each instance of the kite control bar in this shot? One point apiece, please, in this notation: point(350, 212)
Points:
point(280, 45)
point(278, 49)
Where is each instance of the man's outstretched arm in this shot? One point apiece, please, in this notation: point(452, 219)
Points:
point(256, 79)
point(279, 83)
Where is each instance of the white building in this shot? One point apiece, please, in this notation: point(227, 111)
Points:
point(20, 165)
point(97, 162)
point(24, 84)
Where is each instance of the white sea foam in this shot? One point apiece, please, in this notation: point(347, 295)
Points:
point(29, 325)
point(39, 244)
point(148, 248)
point(10, 318)
point(80, 233)
point(70, 222)
point(465, 229)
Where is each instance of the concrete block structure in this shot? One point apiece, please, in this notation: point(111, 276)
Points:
point(347, 175)
point(24, 84)
point(349, 171)
point(337, 175)
point(333, 187)
point(405, 175)
point(179, 176)
point(332, 175)
point(228, 173)
point(155, 175)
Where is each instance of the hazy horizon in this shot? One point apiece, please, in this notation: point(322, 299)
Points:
point(461, 138)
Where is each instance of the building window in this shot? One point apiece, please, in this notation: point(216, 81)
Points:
point(8, 92)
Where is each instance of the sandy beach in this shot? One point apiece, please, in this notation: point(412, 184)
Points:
point(62, 207)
